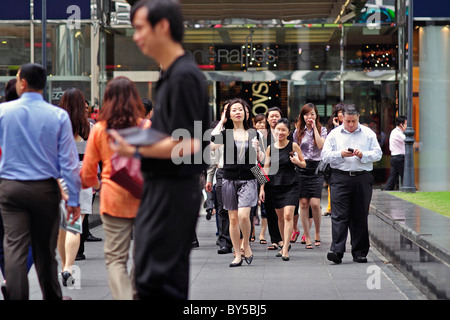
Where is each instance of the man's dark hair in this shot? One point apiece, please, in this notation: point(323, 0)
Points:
point(163, 9)
point(34, 74)
point(350, 109)
point(400, 120)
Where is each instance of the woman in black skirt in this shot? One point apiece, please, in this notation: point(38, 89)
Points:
point(281, 160)
point(310, 135)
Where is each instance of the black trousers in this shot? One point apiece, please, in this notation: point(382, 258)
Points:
point(397, 168)
point(164, 229)
point(271, 214)
point(30, 212)
point(350, 201)
point(223, 221)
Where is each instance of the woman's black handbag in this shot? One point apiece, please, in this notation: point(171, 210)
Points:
point(259, 174)
point(323, 169)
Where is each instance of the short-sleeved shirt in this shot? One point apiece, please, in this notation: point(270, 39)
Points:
point(309, 149)
point(181, 107)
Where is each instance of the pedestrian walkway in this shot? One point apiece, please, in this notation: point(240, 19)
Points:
point(307, 276)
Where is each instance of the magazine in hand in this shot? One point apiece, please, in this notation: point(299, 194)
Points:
point(142, 137)
point(77, 227)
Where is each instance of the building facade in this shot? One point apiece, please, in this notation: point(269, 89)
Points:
point(272, 53)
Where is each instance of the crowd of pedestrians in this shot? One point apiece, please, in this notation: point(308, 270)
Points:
point(58, 160)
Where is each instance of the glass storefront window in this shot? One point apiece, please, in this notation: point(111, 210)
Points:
point(14, 48)
point(371, 49)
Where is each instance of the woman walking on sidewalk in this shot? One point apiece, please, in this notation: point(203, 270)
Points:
point(310, 135)
point(283, 156)
point(122, 108)
point(239, 186)
point(272, 116)
point(69, 241)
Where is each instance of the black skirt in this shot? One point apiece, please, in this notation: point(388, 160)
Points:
point(311, 184)
point(286, 195)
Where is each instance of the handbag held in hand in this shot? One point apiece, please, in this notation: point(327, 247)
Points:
point(259, 174)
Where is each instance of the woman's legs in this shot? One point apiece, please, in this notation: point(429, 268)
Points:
point(235, 234)
point(317, 217)
point(116, 247)
point(288, 214)
point(72, 243)
point(240, 221)
point(304, 217)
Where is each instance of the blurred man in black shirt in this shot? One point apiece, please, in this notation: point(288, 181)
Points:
point(171, 199)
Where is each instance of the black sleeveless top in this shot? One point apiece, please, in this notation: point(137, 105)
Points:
point(286, 174)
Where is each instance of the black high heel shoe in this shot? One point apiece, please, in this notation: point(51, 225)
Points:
point(236, 264)
point(249, 259)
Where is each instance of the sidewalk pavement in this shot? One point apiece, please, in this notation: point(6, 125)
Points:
point(307, 276)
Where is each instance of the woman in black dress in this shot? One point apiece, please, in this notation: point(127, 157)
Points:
point(281, 160)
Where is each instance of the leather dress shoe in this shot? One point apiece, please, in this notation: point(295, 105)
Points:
point(335, 257)
point(360, 259)
point(80, 256)
point(91, 238)
point(208, 214)
point(224, 250)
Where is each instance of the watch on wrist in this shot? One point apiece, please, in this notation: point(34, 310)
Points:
point(136, 154)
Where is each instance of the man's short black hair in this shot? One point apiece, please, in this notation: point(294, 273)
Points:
point(350, 109)
point(400, 120)
point(163, 9)
point(34, 74)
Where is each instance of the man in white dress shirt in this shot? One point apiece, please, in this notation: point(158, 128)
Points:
point(397, 147)
point(350, 149)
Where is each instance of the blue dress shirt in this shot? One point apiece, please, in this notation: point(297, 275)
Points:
point(37, 143)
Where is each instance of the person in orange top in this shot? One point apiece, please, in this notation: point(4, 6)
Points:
point(122, 108)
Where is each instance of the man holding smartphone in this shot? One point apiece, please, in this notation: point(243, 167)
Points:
point(350, 150)
point(397, 147)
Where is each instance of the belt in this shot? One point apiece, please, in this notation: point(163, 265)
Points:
point(350, 173)
point(398, 155)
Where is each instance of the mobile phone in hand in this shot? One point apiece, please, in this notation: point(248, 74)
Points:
point(350, 150)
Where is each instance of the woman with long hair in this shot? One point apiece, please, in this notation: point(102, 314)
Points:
point(283, 156)
point(122, 108)
point(310, 136)
point(68, 242)
point(273, 114)
point(239, 186)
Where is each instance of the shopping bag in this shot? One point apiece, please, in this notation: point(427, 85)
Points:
point(126, 172)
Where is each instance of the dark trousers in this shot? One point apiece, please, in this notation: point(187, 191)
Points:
point(164, 229)
point(30, 212)
point(271, 214)
point(350, 200)
point(397, 168)
point(223, 221)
